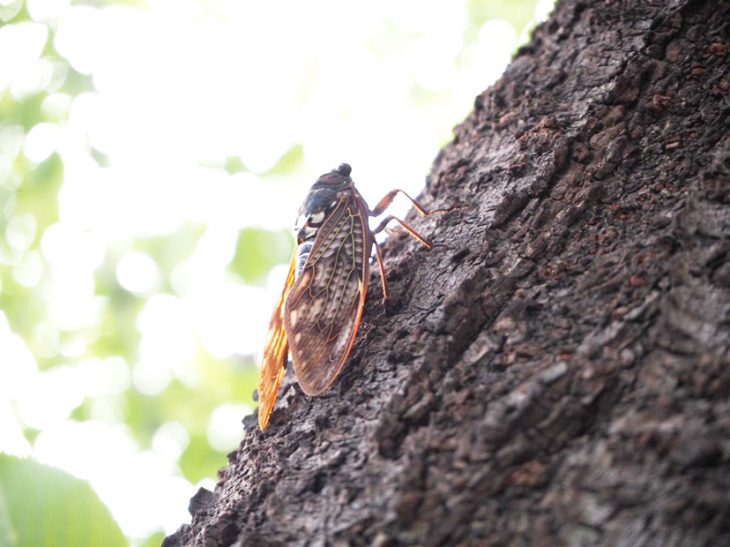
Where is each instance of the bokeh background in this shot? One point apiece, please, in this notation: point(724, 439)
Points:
point(153, 154)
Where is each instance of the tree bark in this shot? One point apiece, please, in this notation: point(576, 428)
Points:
point(557, 370)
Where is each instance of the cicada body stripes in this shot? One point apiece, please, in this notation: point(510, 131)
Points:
point(320, 308)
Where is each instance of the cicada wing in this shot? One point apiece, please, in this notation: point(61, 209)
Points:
point(325, 305)
point(276, 350)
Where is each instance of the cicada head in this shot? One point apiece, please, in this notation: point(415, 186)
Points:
point(320, 202)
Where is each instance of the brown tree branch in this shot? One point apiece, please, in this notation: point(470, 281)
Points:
point(557, 369)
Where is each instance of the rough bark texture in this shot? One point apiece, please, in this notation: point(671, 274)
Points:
point(557, 370)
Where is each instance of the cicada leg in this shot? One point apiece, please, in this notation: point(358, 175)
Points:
point(425, 242)
point(381, 267)
point(384, 203)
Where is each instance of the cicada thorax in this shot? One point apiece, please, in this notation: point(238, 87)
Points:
point(317, 207)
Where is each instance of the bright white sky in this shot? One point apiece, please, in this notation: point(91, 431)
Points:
point(181, 85)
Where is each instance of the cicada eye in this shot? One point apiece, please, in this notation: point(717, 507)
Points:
point(344, 169)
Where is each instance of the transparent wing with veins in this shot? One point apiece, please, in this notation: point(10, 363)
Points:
point(325, 305)
point(276, 351)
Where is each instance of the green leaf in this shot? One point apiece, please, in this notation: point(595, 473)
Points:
point(6, 527)
point(234, 164)
point(41, 505)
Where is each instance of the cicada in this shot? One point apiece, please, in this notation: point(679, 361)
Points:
point(319, 311)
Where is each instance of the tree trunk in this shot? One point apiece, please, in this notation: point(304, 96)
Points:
point(557, 370)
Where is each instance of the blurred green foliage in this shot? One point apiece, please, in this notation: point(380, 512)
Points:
point(518, 12)
point(257, 251)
